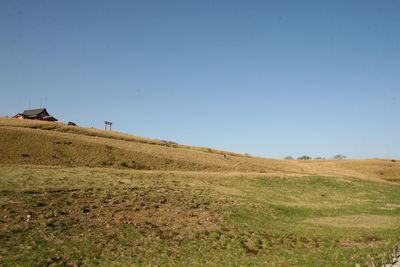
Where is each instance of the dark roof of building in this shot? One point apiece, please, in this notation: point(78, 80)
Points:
point(36, 114)
point(33, 112)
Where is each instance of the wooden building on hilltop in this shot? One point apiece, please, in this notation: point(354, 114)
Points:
point(35, 114)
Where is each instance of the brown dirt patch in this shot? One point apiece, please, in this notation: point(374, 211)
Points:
point(170, 216)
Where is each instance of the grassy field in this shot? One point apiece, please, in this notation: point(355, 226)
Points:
point(67, 198)
point(87, 216)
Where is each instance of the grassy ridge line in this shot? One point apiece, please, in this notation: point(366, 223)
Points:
point(43, 143)
point(22, 145)
point(61, 127)
point(27, 146)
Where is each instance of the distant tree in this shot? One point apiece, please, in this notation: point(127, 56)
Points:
point(289, 158)
point(319, 158)
point(304, 157)
point(339, 156)
point(248, 155)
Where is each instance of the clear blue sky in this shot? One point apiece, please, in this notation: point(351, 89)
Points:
point(269, 78)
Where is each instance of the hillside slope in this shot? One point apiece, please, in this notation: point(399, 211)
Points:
point(56, 144)
point(58, 216)
point(72, 196)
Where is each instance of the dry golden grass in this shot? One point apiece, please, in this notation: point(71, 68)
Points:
point(358, 221)
point(56, 144)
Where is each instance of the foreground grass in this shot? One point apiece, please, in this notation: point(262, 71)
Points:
point(109, 217)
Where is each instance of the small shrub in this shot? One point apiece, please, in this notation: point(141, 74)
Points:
point(50, 224)
point(85, 209)
point(133, 165)
point(124, 164)
point(163, 200)
point(304, 157)
point(107, 163)
point(194, 205)
point(339, 157)
point(40, 204)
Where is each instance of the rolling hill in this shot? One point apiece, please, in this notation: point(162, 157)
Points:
point(73, 196)
point(56, 144)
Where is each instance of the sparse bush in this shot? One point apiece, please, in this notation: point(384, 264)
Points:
point(289, 158)
point(124, 164)
point(133, 165)
point(40, 204)
point(50, 224)
point(110, 163)
point(339, 156)
point(85, 209)
point(304, 157)
point(163, 200)
point(169, 143)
